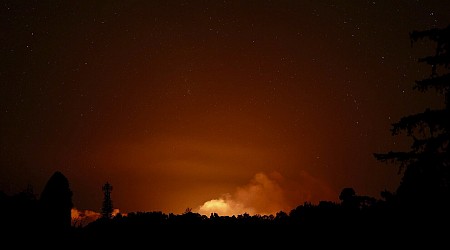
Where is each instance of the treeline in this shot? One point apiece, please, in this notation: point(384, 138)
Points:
point(362, 218)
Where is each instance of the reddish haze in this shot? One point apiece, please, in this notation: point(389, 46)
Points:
point(263, 104)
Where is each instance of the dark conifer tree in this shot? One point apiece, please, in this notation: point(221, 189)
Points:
point(425, 167)
point(107, 207)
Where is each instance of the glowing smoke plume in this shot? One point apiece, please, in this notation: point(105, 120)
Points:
point(268, 194)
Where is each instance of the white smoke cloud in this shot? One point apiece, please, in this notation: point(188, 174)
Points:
point(269, 194)
point(224, 206)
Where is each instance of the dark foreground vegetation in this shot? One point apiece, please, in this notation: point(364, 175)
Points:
point(353, 220)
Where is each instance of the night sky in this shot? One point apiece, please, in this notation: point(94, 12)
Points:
point(228, 106)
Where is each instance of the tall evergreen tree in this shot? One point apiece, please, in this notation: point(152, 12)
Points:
point(425, 167)
point(107, 207)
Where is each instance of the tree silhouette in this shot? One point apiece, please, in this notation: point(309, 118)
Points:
point(425, 167)
point(349, 198)
point(56, 202)
point(107, 207)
